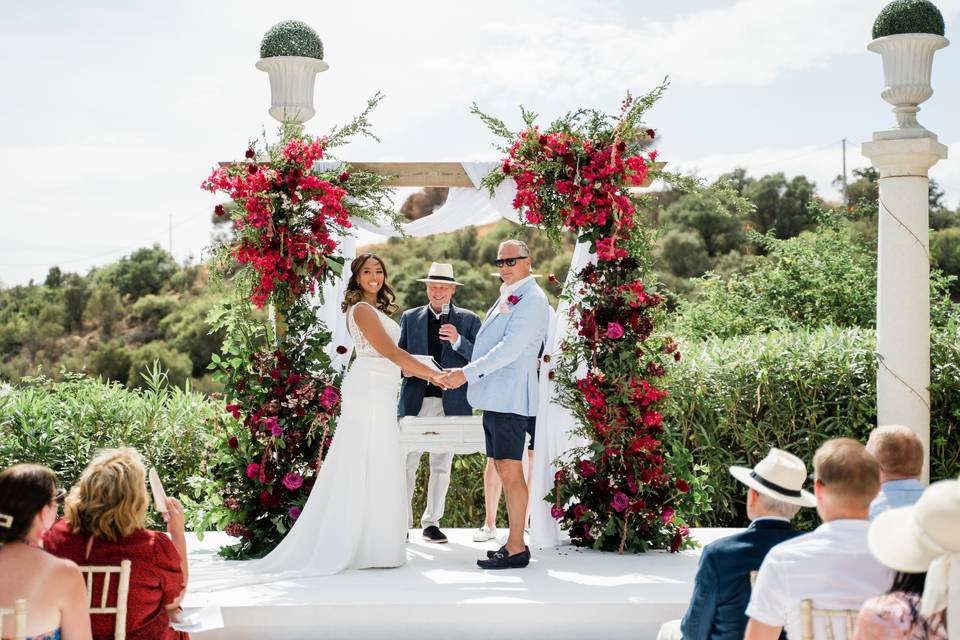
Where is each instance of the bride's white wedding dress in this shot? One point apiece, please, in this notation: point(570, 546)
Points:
point(356, 515)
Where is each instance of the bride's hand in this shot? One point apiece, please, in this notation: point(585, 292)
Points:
point(439, 380)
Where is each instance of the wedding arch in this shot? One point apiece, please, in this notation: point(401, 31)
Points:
point(615, 475)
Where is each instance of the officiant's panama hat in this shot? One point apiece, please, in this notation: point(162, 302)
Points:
point(908, 539)
point(441, 273)
point(780, 475)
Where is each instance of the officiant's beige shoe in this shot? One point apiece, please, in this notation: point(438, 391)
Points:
point(484, 533)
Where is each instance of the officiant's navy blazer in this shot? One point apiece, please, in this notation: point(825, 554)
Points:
point(413, 339)
point(502, 375)
point(721, 589)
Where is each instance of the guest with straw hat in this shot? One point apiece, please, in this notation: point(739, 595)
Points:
point(722, 585)
point(922, 543)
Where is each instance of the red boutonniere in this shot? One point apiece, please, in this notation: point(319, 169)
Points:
point(512, 299)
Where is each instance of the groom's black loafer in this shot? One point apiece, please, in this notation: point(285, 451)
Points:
point(501, 560)
point(502, 550)
point(434, 535)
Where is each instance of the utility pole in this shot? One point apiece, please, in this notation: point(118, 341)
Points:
point(846, 201)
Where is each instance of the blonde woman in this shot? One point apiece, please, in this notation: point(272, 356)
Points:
point(53, 588)
point(104, 523)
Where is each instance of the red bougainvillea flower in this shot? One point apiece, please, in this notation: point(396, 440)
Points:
point(292, 481)
point(614, 330)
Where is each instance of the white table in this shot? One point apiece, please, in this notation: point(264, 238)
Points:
point(460, 434)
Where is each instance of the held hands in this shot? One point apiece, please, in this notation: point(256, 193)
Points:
point(449, 333)
point(453, 379)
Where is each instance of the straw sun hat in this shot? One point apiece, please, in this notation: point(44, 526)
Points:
point(441, 273)
point(780, 475)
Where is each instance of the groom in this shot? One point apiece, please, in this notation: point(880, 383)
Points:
point(503, 383)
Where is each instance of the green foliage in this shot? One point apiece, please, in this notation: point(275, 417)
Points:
point(187, 331)
point(824, 277)
point(103, 307)
point(111, 361)
point(945, 254)
point(54, 278)
point(291, 38)
point(908, 16)
point(151, 307)
point(144, 271)
point(736, 398)
point(153, 354)
point(62, 425)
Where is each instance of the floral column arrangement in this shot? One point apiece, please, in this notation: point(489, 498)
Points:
point(633, 487)
point(282, 394)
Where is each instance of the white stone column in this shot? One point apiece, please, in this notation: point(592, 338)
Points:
point(903, 281)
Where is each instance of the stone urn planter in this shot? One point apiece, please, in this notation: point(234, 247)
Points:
point(906, 35)
point(292, 55)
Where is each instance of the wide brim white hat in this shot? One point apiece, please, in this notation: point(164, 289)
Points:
point(908, 539)
point(780, 476)
point(441, 273)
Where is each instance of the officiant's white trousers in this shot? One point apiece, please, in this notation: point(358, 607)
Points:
point(439, 473)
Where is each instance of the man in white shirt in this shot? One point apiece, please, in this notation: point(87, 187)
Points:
point(832, 565)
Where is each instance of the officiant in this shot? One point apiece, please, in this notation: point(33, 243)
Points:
point(446, 332)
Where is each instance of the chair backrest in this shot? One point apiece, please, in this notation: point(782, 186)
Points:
point(19, 613)
point(808, 614)
point(123, 589)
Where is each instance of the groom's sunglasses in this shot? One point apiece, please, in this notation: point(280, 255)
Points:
point(510, 262)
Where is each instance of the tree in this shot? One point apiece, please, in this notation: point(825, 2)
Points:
point(75, 294)
point(144, 271)
point(54, 278)
point(112, 361)
point(781, 205)
point(719, 231)
point(103, 307)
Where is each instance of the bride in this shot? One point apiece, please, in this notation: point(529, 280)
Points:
point(356, 515)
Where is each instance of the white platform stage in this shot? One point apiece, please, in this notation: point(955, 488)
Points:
point(566, 592)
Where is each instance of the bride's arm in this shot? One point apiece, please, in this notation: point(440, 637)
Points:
point(369, 324)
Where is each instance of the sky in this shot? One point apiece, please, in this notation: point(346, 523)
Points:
point(112, 113)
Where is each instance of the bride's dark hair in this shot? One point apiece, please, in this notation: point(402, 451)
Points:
point(354, 293)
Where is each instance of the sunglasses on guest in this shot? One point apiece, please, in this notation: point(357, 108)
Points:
point(510, 262)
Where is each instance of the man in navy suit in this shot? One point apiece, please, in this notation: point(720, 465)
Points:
point(447, 333)
point(722, 586)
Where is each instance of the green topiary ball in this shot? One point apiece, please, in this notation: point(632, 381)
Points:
point(908, 16)
point(291, 38)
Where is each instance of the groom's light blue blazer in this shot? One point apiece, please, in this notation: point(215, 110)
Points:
point(502, 375)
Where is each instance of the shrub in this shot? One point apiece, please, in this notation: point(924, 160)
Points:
point(111, 361)
point(291, 38)
point(152, 307)
point(908, 16)
point(736, 398)
point(176, 365)
point(62, 425)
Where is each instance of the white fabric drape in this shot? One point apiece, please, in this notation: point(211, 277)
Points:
point(463, 208)
point(556, 436)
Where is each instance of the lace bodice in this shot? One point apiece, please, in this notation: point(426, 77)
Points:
point(362, 346)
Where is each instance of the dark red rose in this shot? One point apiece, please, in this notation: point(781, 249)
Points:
point(552, 278)
point(651, 133)
point(546, 357)
point(343, 177)
point(676, 356)
point(252, 168)
point(341, 349)
point(268, 500)
point(551, 375)
point(250, 154)
point(219, 210)
point(682, 486)
point(233, 442)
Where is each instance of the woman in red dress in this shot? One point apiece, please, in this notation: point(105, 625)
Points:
point(103, 524)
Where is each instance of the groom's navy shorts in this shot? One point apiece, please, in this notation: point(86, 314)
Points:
point(505, 434)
